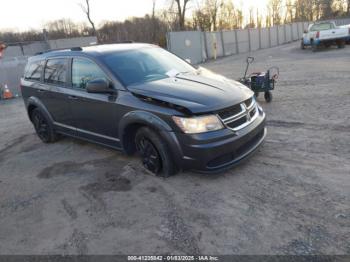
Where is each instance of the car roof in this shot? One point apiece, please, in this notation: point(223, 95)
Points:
point(91, 51)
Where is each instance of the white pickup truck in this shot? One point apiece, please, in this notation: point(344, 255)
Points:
point(326, 34)
point(348, 27)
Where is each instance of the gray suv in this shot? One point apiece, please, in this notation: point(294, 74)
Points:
point(139, 98)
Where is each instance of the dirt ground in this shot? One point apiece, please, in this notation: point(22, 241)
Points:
point(291, 197)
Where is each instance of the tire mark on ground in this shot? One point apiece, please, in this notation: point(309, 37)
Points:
point(291, 124)
point(69, 209)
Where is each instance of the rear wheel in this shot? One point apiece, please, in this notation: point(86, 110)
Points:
point(43, 127)
point(268, 96)
point(154, 152)
point(341, 44)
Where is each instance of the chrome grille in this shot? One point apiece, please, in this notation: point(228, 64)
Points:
point(240, 116)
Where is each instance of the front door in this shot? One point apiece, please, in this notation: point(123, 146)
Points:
point(94, 114)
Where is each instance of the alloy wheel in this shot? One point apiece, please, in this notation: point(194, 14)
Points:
point(41, 126)
point(150, 156)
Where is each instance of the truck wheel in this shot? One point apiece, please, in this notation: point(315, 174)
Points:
point(43, 127)
point(341, 44)
point(154, 152)
point(268, 96)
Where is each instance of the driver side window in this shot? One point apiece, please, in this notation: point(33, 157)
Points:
point(83, 71)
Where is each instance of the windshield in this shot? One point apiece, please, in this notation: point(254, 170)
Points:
point(320, 27)
point(146, 64)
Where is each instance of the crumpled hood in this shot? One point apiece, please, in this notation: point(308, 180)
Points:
point(199, 93)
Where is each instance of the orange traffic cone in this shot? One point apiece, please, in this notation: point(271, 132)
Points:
point(7, 94)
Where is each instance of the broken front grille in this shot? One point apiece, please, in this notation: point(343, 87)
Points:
point(241, 115)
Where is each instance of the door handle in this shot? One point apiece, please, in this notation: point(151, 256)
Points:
point(73, 97)
point(41, 90)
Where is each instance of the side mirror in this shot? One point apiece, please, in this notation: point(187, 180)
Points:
point(99, 86)
point(305, 31)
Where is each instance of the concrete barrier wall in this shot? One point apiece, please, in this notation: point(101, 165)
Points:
point(15, 57)
point(189, 45)
point(345, 21)
point(11, 71)
point(72, 42)
point(273, 36)
point(300, 30)
point(214, 44)
point(281, 35)
point(243, 40)
point(254, 39)
point(208, 45)
point(295, 31)
point(12, 51)
point(265, 38)
point(35, 48)
point(288, 29)
point(229, 40)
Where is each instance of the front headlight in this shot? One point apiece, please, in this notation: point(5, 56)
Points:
point(200, 124)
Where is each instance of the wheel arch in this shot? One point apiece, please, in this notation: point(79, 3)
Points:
point(132, 121)
point(34, 102)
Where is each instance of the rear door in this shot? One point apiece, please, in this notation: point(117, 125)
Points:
point(95, 115)
point(30, 83)
point(54, 93)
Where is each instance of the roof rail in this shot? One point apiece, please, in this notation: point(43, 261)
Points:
point(78, 48)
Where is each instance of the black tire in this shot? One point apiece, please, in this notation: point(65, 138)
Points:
point(43, 127)
point(341, 44)
point(155, 154)
point(268, 96)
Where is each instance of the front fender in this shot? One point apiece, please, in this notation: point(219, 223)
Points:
point(142, 117)
point(154, 122)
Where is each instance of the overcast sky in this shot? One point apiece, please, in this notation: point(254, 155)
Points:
point(33, 14)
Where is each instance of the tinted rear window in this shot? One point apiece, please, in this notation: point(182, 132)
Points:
point(56, 71)
point(33, 71)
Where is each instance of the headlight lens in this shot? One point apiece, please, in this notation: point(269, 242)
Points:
point(201, 124)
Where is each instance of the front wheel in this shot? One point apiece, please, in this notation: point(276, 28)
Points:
point(268, 96)
point(341, 44)
point(154, 152)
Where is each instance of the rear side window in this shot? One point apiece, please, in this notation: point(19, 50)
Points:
point(83, 71)
point(33, 71)
point(321, 27)
point(56, 71)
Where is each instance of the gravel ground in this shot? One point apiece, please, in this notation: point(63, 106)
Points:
point(291, 197)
